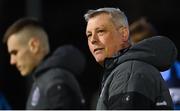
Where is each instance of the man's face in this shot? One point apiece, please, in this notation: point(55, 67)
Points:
point(104, 38)
point(20, 55)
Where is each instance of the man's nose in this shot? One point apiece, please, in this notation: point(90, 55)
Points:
point(94, 38)
point(12, 61)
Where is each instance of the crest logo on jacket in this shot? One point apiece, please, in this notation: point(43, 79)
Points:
point(35, 97)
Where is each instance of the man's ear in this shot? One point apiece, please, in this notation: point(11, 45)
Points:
point(124, 31)
point(34, 45)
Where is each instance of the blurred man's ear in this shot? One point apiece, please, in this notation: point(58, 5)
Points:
point(124, 33)
point(34, 45)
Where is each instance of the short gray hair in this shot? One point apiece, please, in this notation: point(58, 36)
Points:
point(118, 17)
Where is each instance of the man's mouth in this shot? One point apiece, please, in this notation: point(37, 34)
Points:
point(97, 50)
point(19, 67)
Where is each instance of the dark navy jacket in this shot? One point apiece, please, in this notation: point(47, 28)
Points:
point(55, 85)
point(4, 105)
point(132, 78)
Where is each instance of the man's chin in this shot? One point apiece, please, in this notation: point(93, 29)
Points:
point(24, 74)
point(101, 62)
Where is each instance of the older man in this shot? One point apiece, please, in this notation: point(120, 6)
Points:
point(132, 78)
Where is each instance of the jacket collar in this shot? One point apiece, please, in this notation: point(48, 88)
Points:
point(34, 73)
point(112, 62)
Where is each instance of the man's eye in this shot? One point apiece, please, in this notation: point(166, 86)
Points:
point(89, 35)
point(13, 52)
point(100, 31)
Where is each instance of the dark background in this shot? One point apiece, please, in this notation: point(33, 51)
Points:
point(64, 22)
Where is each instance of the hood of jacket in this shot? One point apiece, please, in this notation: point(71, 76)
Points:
point(158, 51)
point(65, 57)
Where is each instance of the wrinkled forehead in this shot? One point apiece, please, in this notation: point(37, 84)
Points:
point(102, 20)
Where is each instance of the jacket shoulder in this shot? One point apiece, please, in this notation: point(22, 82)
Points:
point(54, 76)
point(134, 76)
